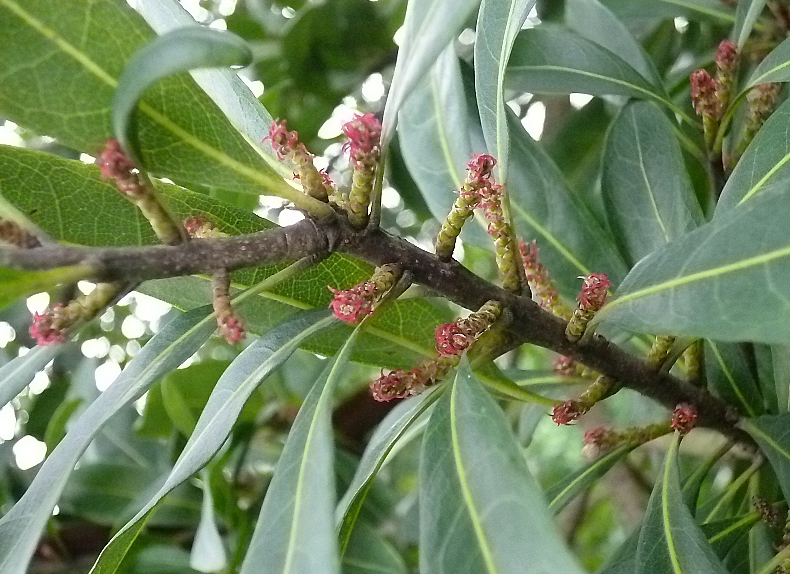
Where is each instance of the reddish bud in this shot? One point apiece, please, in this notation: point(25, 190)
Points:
point(451, 339)
point(353, 305)
point(726, 57)
point(593, 294)
point(115, 165)
point(480, 168)
point(282, 140)
point(44, 331)
point(364, 138)
point(703, 94)
point(564, 366)
point(684, 418)
point(231, 329)
point(193, 224)
point(397, 384)
point(565, 413)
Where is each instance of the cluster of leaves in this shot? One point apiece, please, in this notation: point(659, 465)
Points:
point(624, 186)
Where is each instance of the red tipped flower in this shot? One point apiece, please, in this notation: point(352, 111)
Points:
point(43, 329)
point(451, 339)
point(364, 138)
point(283, 141)
point(353, 305)
point(117, 166)
point(593, 293)
point(564, 366)
point(397, 384)
point(232, 329)
point(684, 418)
point(726, 57)
point(703, 94)
point(480, 168)
point(565, 413)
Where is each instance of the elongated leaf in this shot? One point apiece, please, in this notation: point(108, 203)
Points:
point(233, 389)
point(571, 241)
point(772, 433)
point(645, 185)
point(387, 433)
point(710, 10)
point(724, 280)
point(552, 59)
point(498, 23)
point(15, 283)
point(17, 373)
point(764, 166)
point(746, 15)
point(480, 510)
point(81, 49)
point(670, 542)
point(624, 559)
point(174, 52)
point(369, 553)
point(594, 21)
point(775, 67)
point(422, 43)
point(728, 373)
point(577, 482)
point(21, 526)
point(208, 550)
point(780, 361)
point(294, 533)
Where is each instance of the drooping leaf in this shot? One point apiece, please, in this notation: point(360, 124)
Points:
point(17, 373)
point(729, 375)
point(233, 389)
point(295, 533)
point(370, 553)
point(746, 15)
point(174, 52)
point(421, 45)
point(387, 434)
point(182, 133)
point(645, 185)
point(498, 24)
point(577, 482)
point(571, 241)
point(593, 20)
point(722, 281)
point(480, 510)
point(21, 527)
point(208, 550)
point(670, 542)
point(763, 167)
point(772, 433)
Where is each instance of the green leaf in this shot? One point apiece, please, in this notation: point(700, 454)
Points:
point(772, 433)
point(370, 553)
point(594, 21)
point(746, 15)
point(15, 283)
point(208, 550)
point(21, 526)
point(775, 67)
point(552, 59)
point(645, 185)
point(723, 534)
point(81, 49)
point(498, 24)
point(17, 373)
point(480, 510)
point(386, 435)
point(227, 400)
point(670, 542)
point(174, 52)
point(577, 482)
point(56, 429)
point(295, 532)
point(421, 45)
point(722, 281)
point(729, 375)
point(571, 241)
point(780, 361)
point(710, 10)
point(764, 166)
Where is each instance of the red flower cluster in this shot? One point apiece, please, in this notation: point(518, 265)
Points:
point(727, 57)
point(43, 329)
point(283, 141)
point(564, 366)
point(684, 418)
point(116, 165)
point(593, 294)
point(231, 329)
point(364, 139)
point(353, 305)
point(703, 94)
point(397, 384)
point(453, 339)
point(540, 282)
point(480, 169)
point(565, 413)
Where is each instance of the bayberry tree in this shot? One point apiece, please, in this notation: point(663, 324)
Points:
point(388, 329)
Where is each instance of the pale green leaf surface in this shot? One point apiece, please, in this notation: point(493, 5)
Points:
point(726, 280)
point(775, 67)
point(772, 433)
point(498, 23)
point(647, 191)
point(21, 527)
point(571, 241)
point(780, 362)
point(670, 542)
point(480, 510)
point(225, 404)
point(208, 549)
point(746, 15)
point(17, 373)
point(711, 10)
point(295, 531)
point(423, 41)
point(370, 553)
point(728, 374)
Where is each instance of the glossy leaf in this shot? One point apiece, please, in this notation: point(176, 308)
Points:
point(370, 553)
point(422, 43)
point(746, 15)
point(764, 166)
point(232, 391)
point(729, 375)
point(480, 510)
point(387, 434)
point(645, 185)
point(772, 433)
point(723, 534)
point(183, 134)
point(670, 542)
point(562, 493)
point(498, 23)
point(17, 373)
point(593, 20)
point(725, 280)
point(552, 59)
point(21, 526)
point(775, 67)
point(295, 533)
point(177, 51)
point(571, 241)
point(15, 283)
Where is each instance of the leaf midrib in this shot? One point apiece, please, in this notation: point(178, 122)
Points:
point(728, 374)
point(673, 556)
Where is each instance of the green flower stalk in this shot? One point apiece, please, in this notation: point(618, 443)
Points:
point(727, 60)
point(354, 304)
point(566, 412)
point(591, 298)
point(692, 358)
point(543, 290)
point(599, 441)
point(659, 351)
point(456, 337)
point(760, 101)
point(364, 147)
